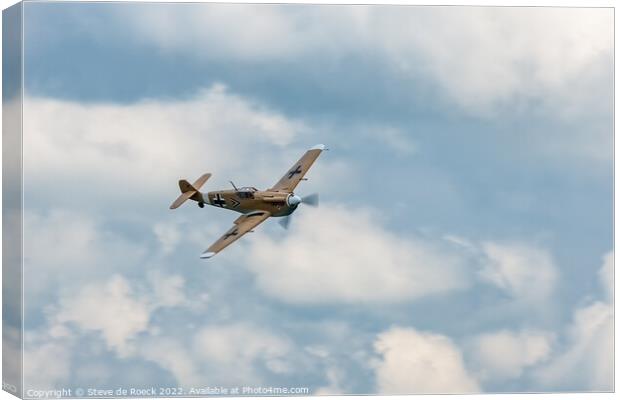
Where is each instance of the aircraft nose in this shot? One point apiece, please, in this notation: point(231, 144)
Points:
point(293, 200)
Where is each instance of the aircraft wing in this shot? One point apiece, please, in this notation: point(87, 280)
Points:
point(290, 180)
point(242, 225)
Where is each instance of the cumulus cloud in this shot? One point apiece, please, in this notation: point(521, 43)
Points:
point(416, 362)
point(505, 354)
point(341, 254)
point(587, 360)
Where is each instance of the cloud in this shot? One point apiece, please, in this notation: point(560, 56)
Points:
point(109, 308)
point(515, 55)
point(118, 312)
point(345, 255)
point(84, 249)
point(416, 362)
point(232, 349)
point(110, 171)
point(243, 35)
point(131, 149)
point(516, 58)
point(71, 247)
point(114, 176)
point(517, 68)
point(121, 314)
point(228, 355)
point(116, 309)
point(167, 290)
point(170, 354)
point(587, 361)
point(504, 355)
point(335, 379)
point(168, 236)
point(525, 272)
point(127, 158)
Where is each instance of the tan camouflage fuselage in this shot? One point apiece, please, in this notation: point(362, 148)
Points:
point(274, 202)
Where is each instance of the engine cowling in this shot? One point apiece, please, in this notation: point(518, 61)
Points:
point(293, 200)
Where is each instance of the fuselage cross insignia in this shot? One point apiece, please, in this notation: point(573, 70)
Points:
point(218, 200)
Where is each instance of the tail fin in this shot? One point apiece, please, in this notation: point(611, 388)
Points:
point(190, 191)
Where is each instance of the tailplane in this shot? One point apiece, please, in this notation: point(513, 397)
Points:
point(190, 192)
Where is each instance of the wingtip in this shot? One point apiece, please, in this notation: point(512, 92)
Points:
point(207, 254)
point(318, 147)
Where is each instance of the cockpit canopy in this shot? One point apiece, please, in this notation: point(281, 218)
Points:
point(246, 192)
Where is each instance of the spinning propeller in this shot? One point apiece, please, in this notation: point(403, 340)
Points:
point(311, 200)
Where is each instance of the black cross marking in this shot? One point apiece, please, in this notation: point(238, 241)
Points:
point(294, 172)
point(219, 200)
point(233, 233)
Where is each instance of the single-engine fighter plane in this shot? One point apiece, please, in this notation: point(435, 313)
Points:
point(255, 205)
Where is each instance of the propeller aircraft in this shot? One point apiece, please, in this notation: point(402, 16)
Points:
point(254, 205)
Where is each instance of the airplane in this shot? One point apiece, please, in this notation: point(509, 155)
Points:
point(254, 205)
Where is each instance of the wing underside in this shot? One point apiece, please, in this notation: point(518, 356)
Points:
point(242, 225)
point(290, 180)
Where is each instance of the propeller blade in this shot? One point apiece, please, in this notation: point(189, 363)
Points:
point(311, 199)
point(285, 221)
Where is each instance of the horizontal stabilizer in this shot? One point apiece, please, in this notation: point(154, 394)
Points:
point(182, 199)
point(189, 191)
point(201, 181)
